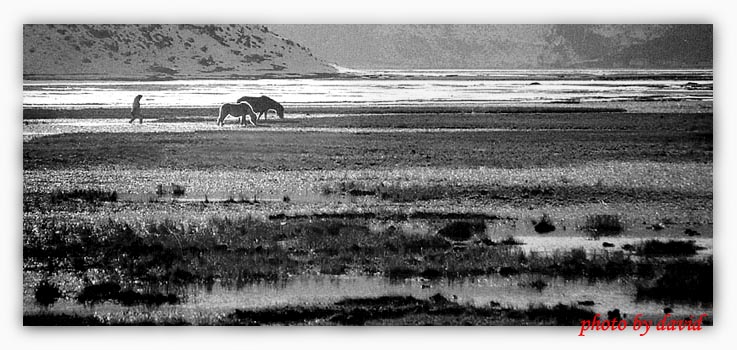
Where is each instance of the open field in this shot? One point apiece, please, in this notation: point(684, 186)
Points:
point(427, 212)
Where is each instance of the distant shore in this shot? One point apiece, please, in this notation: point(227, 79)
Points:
point(392, 74)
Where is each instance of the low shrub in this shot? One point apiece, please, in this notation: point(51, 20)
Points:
point(603, 225)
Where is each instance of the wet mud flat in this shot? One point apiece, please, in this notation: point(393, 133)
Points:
point(468, 227)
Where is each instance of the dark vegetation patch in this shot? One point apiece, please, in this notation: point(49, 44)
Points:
point(681, 281)
point(383, 310)
point(173, 189)
point(518, 195)
point(539, 284)
point(407, 310)
point(653, 247)
point(60, 320)
point(388, 216)
point(559, 314)
point(462, 230)
point(111, 291)
point(47, 293)
point(237, 251)
point(598, 225)
point(46, 319)
point(87, 194)
point(394, 193)
point(544, 225)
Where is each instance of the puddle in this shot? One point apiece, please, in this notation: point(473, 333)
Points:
point(321, 289)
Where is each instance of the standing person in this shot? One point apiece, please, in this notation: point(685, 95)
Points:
point(136, 110)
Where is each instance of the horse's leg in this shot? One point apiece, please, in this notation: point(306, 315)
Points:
point(221, 120)
point(221, 116)
point(251, 116)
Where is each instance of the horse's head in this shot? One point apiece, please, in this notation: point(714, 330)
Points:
point(280, 112)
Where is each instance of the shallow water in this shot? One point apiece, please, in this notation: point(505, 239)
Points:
point(408, 88)
point(509, 292)
point(480, 291)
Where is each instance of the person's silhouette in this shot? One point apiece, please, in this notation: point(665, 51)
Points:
point(136, 110)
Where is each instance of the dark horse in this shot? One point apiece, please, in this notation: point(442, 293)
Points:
point(242, 109)
point(262, 105)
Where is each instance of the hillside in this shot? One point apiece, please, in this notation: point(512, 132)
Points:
point(508, 46)
point(163, 52)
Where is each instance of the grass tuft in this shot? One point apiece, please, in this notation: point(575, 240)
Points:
point(47, 293)
point(603, 225)
point(545, 225)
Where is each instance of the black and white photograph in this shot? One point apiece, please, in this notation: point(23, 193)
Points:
point(550, 178)
point(388, 174)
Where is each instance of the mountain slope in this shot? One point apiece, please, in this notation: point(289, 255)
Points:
point(508, 46)
point(162, 52)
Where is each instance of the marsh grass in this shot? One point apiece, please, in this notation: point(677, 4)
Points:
point(87, 194)
point(599, 225)
point(462, 230)
point(111, 291)
point(408, 310)
point(60, 320)
point(577, 263)
point(537, 283)
point(165, 256)
point(47, 293)
point(382, 310)
point(654, 247)
point(175, 190)
point(559, 314)
point(680, 281)
point(353, 188)
point(397, 193)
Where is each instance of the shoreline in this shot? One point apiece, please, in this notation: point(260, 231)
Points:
point(603, 74)
point(313, 111)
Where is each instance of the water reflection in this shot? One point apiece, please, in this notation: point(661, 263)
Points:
point(509, 292)
point(414, 87)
